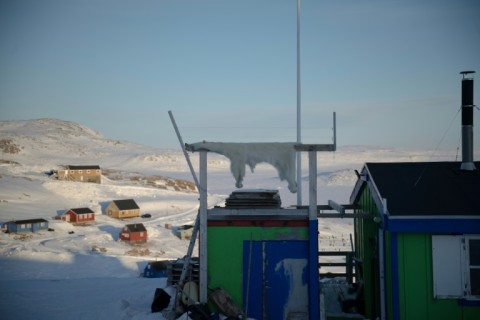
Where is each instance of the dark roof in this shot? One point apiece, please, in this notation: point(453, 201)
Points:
point(81, 210)
point(427, 188)
point(85, 167)
point(28, 221)
point(135, 227)
point(126, 204)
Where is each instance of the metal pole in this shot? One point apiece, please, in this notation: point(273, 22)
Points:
point(203, 228)
point(299, 117)
point(334, 131)
point(186, 262)
point(184, 151)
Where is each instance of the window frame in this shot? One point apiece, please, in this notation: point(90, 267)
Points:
point(451, 267)
point(469, 267)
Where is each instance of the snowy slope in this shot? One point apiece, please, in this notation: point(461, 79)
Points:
point(89, 274)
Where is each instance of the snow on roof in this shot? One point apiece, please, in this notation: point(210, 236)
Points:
point(281, 155)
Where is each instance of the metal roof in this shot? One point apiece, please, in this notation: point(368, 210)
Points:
point(81, 210)
point(32, 221)
point(126, 204)
point(424, 188)
point(84, 167)
point(136, 227)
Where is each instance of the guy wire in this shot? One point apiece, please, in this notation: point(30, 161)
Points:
point(436, 149)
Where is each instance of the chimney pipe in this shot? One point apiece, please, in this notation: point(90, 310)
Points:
point(467, 122)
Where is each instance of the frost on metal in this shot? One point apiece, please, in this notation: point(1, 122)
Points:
point(281, 155)
point(294, 271)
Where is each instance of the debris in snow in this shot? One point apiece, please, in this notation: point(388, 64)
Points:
point(160, 300)
point(281, 155)
point(225, 303)
point(99, 249)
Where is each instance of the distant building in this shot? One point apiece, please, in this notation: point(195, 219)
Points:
point(78, 215)
point(23, 226)
point(134, 233)
point(121, 209)
point(156, 269)
point(87, 173)
point(185, 232)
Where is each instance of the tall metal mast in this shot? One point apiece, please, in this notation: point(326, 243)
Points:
point(299, 118)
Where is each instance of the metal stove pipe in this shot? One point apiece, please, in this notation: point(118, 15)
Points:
point(467, 122)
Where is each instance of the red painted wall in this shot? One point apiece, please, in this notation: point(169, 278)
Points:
point(133, 236)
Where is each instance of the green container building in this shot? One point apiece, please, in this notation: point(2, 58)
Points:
point(260, 257)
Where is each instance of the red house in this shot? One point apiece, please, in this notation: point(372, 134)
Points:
point(79, 215)
point(134, 233)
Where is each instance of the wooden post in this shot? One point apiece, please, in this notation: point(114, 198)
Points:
point(313, 303)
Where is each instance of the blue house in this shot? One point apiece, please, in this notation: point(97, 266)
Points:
point(30, 225)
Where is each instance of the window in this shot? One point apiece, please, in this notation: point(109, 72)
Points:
point(456, 266)
point(472, 245)
point(80, 171)
point(88, 171)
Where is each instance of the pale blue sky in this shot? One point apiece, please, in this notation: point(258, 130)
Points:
point(227, 69)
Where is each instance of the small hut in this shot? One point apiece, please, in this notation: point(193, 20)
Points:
point(79, 215)
point(135, 233)
point(121, 209)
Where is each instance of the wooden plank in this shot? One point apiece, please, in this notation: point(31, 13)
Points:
point(314, 147)
point(332, 264)
point(336, 206)
point(346, 215)
point(335, 253)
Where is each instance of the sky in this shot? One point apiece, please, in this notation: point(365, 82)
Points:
point(228, 69)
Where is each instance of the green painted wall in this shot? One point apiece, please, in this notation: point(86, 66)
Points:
point(415, 273)
point(225, 253)
point(416, 283)
point(365, 248)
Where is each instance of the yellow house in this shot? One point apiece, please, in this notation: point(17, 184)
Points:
point(121, 209)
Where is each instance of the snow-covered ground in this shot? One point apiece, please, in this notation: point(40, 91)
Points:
point(88, 273)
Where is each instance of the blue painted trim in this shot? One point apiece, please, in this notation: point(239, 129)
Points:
point(432, 225)
point(469, 303)
point(395, 278)
point(313, 297)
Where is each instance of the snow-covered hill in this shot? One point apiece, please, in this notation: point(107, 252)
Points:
point(84, 272)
